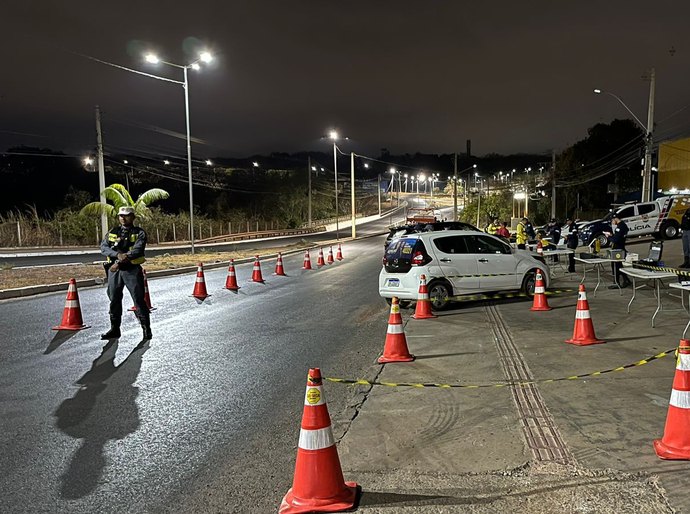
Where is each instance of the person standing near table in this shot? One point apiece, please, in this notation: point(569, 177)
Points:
point(572, 238)
point(521, 236)
point(620, 232)
point(685, 227)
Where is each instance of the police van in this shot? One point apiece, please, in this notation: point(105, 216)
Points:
point(660, 217)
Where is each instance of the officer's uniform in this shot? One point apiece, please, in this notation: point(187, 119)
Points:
point(521, 236)
point(130, 241)
point(618, 243)
point(685, 226)
point(571, 240)
point(492, 228)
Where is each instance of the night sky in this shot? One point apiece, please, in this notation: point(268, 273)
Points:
point(407, 76)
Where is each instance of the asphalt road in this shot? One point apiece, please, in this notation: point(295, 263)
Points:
point(215, 398)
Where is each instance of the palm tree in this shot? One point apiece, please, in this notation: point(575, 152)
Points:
point(120, 197)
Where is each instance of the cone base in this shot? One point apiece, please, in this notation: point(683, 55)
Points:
point(584, 342)
point(541, 308)
point(280, 274)
point(70, 327)
point(307, 268)
point(293, 505)
point(199, 296)
point(233, 289)
point(424, 316)
point(401, 358)
point(666, 452)
point(258, 281)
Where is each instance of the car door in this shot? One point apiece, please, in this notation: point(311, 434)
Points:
point(456, 263)
point(495, 262)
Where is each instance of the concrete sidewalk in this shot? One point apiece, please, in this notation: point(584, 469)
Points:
point(566, 446)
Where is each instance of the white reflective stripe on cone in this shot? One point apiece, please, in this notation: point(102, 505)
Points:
point(395, 329)
point(72, 304)
point(582, 315)
point(582, 295)
point(423, 296)
point(199, 279)
point(680, 399)
point(539, 290)
point(316, 439)
point(683, 362)
point(314, 392)
point(395, 309)
point(72, 288)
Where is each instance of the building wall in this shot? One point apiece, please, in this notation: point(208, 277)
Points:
point(674, 165)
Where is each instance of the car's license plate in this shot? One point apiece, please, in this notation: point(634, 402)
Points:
point(393, 282)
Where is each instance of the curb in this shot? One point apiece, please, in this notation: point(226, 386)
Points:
point(21, 292)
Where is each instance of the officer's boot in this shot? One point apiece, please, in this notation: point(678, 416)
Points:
point(686, 263)
point(114, 331)
point(146, 327)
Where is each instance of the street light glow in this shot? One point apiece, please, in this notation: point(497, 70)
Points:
point(88, 161)
point(208, 162)
point(205, 57)
point(597, 91)
point(195, 66)
point(255, 164)
point(333, 135)
point(166, 162)
point(152, 58)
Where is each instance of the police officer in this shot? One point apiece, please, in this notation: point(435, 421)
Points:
point(572, 239)
point(493, 226)
point(124, 247)
point(554, 231)
point(685, 226)
point(620, 232)
point(521, 235)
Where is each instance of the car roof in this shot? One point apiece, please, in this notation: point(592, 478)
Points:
point(443, 233)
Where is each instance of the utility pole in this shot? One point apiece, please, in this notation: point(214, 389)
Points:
point(455, 186)
point(352, 193)
point(378, 188)
point(553, 184)
point(647, 172)
point(101, 172)
point(309, 191)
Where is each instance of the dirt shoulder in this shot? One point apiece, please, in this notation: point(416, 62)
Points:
point(12, 278)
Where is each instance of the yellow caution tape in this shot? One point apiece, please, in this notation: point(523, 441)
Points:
point(661, 268)
point(502, 384)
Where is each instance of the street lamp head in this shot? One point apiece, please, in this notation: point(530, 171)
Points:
point(206, 57)
point(166, 162)
point(392, 171)
point(366, 165)
point(313, 168)
point(88, 161)
point(208, 162)
point(195, 66)
point(474, 165)
point(255, 164)
point(333, 135)
point(597, 91)
point(151, 58)
point(125, 161)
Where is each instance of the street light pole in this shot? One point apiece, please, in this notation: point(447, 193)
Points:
point(189, 160)
point(335, 172)
point(647, 170)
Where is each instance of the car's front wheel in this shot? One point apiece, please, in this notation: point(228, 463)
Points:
point(439, 295)
point(603, 240)
point(528, 283)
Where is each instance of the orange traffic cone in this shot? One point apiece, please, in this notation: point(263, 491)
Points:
point(318, 484)
point(539, 303)
point(540, 248)
point(279, 266)
point(147, 297)
point(329, 259)
point(395, 348)
point(583, 334)
point(71, 314)
point(200, 292)
point(307, 261)
point(675, 444)
point(423, 308)
point(256, 271)
point(339, 254)
point(231, 280)
point(320, 262)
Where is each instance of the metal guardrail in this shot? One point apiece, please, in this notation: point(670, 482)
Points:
point(241, 236)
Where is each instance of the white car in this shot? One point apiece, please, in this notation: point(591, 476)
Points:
point(456, 263)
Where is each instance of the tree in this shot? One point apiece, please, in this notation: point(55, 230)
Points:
point(120, 197)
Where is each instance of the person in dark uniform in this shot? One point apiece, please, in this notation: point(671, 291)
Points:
point(554, 231)
point(685, 227)
point(572, 239)
point(124, 247)
point(620, 232)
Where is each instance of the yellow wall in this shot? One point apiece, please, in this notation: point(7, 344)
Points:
point(674, 165)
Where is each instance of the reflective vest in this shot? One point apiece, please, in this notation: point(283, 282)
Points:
point(521, 236)
point(124, 244)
